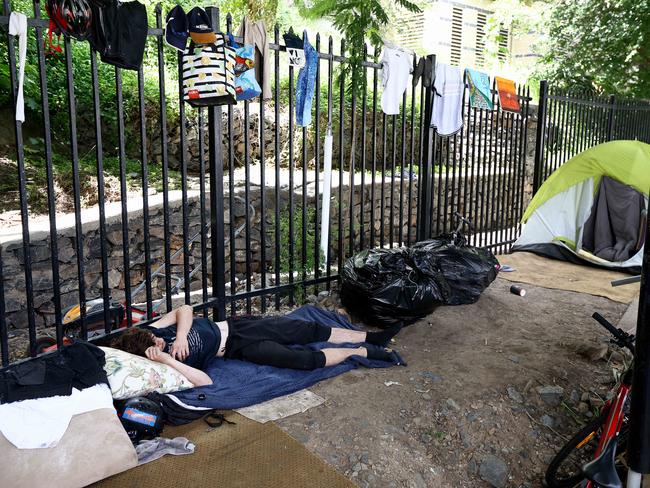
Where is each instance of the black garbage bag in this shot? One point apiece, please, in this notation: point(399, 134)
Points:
point(388, 286)
point(468, 270)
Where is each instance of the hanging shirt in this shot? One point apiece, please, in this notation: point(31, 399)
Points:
point(395, 70)
point(306, 84)
point(255, 33)
point(447, 109)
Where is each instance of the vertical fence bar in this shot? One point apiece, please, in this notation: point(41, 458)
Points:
point(392, 180)
point(262, 126)
point(341, 157)
point(425, 198)
point(541, 135)
point(317, 245)
point(481, 175)
point(184, 202)
point(351, 169)
point(291, 186)
point(99, 155)
point(144, 165)
point(165, 161)
point(278, 237)
point(409, 211)
point(216, 199)
point(4, 336)
point(305, 186)
point(330, 109)
point(400, 223)
point(51, 202)
point(203, 210)
point(76, 184)
point(382, 190)
point(231, 211)
point(247, 198)
point(374, 152)
point(123, 195)
point(362, 204)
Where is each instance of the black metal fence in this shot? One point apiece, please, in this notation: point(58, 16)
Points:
point(242, 231)
point(570, 122)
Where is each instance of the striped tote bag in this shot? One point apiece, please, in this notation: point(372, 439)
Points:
point(209, 73)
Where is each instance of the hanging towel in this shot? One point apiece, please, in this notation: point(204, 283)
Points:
point(152, 449)
point(18, 28)
point(507, 95)
point(396, 65)
point(447, 109)
point(255, 33)
point(305, 85)
point(480, 95)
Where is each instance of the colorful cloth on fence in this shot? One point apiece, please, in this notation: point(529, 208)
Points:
point(447, 109)
point(480, 95)
point(239, 384)
point(306, 84)
point(507, 95)
point(396, 65)
point(255, 33)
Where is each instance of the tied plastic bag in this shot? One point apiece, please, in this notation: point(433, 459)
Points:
point(385, 287)
point(246, 85)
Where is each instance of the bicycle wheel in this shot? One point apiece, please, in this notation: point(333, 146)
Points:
point(565, 470)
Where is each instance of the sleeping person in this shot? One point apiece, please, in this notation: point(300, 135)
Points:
point(187, 343)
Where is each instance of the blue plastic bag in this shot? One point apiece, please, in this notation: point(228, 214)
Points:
point(246, 85)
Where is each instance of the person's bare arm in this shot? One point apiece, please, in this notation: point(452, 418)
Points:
point(196, 376)
point(182, 317)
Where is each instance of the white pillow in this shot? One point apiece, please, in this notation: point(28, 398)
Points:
point(130, 375)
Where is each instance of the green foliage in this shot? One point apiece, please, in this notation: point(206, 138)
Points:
point(358, 21)
point(600, 45)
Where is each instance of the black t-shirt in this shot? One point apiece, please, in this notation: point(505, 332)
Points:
point(203, 340)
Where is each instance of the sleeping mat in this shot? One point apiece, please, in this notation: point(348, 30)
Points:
point(239, 384)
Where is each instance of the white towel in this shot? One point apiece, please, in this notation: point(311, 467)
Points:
point(447, 110)
point(18, 28)
point(41, 422)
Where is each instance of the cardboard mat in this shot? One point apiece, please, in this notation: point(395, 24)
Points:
point(245, 455)
point(562, 275)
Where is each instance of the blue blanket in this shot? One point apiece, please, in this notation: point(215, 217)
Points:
point(239, 384)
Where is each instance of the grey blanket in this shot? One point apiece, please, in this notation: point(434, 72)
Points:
point(152, 449)
point(612, 231)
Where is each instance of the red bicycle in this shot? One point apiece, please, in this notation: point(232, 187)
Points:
point(594, 456)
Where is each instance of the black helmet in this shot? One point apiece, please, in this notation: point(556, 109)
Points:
point(72, 17)
point(141, 418)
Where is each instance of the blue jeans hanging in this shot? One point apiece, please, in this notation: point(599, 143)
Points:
point(305, 85)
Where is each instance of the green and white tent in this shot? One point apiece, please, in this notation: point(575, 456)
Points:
point(593, 208)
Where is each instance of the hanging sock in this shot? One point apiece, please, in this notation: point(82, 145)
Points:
point(18, 28)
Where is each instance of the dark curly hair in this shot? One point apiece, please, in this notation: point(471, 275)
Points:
point(134, 341)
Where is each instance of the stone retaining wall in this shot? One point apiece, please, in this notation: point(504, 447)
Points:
point(12, 252)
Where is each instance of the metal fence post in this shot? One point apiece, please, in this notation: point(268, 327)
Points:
point(638, 450)
point(610, 118)
point(217, 234)
point(425, 198)
point(541, 133)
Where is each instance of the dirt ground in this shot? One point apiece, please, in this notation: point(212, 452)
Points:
point(468, 411)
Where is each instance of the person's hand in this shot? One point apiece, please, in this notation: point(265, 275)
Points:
point(180, 349)
point(157, 355)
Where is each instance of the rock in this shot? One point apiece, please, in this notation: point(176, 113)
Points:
point(494, 471)
point(583, 407)
point(547, 421)
point(431, 376)
point(575, 396)
point(452, 403)
point(592, 352)
point(551, 395)
point(311, 299)
point(514, 395)
point(323, 295)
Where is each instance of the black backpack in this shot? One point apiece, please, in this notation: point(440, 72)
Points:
point(177, 414)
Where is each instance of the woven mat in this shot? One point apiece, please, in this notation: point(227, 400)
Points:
point(246, 455)
point(562, 275)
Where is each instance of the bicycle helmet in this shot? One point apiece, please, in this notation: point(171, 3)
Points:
point(71, 17)
point(141, 418)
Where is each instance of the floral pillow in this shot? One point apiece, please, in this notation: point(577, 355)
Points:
point(130, 375)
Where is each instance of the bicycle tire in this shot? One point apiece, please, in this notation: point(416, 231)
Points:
point(552, 477)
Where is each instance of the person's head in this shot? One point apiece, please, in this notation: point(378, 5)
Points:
point(137, 341)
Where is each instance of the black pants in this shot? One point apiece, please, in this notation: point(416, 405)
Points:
point(266, 341)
